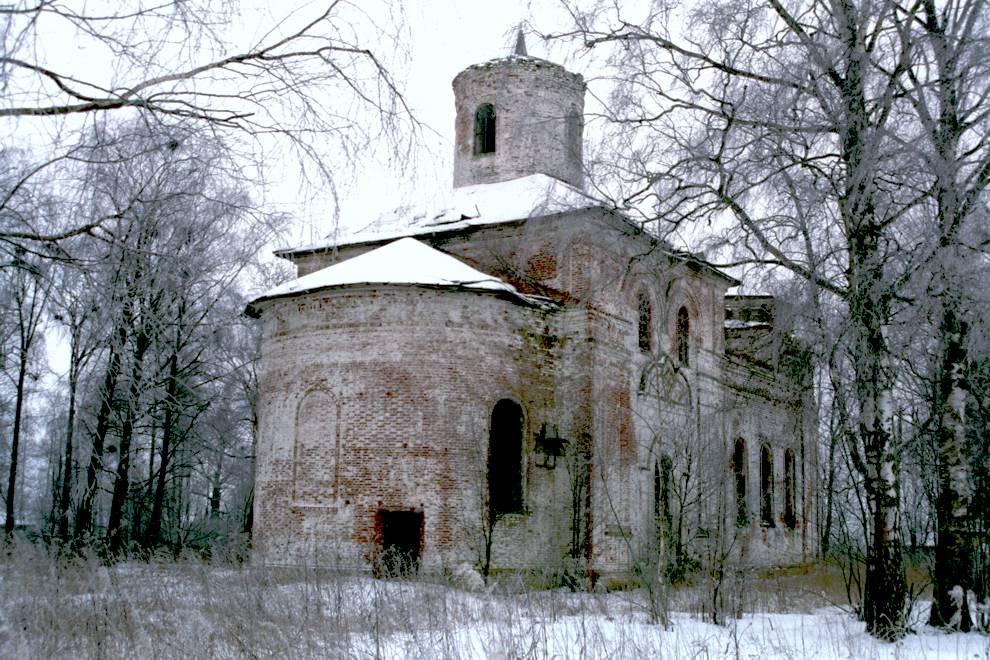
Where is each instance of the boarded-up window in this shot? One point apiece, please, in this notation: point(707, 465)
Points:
point(505, 443)
point(314, 459)
point(484, 129)
point(790, 488)
point(766, 485)
point(739, 472)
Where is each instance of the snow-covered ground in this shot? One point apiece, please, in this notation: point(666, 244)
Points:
point(189, 609)
point(825, 634)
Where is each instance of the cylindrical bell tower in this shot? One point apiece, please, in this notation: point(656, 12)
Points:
point(517, 116)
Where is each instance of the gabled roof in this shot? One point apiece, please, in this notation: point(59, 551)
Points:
point(469, 206)
point(402, 262)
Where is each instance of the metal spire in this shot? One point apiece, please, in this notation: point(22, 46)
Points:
point(520, 44)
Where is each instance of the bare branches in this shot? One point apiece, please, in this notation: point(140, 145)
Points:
point(312, 84)
point(786, 130)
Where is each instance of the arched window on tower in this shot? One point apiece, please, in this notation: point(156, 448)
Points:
point(790, 490)
point(645, 322)
point(739, 472)
point(505, 445)
point(683, 333)
point(766, 485)
point(484, 129)
point(573, 134)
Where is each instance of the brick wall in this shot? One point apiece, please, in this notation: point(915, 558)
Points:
point(408, 378)
point(379, 398)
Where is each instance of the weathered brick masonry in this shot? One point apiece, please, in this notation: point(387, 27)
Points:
point(379, 397)
point(413, 374)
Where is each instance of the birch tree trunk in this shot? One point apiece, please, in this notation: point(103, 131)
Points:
point(65, 487)
point(121, 485)
point(948, 95)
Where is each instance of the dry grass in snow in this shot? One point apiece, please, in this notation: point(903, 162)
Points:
point(81, 609)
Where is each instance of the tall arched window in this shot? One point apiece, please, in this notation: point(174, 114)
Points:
point(645, 322)
point(766, 485)
point(739, 472)
point(790, 488)
point(663, 472)
point(484, 129)
point(505, 444)
point(683, 333)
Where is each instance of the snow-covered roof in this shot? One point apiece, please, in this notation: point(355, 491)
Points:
point(469, 206)
point(405, 261)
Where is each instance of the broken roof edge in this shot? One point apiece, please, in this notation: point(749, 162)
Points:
point(538, 212)
point(689, 258)
point(665, 248)
point(431, 231)
point(684, 256)
point(516, 58)
point(253, 310)
point(460, 208)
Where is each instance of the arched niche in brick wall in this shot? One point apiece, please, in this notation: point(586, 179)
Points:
point(790, 489)
point(766, 485)
point(663, 476)
point(314, 452)
point(682, 336)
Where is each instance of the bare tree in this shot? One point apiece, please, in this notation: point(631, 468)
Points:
point(186, 232)
point(948, 89)
point(309, 85)
point(74, 308)
point(28, 291)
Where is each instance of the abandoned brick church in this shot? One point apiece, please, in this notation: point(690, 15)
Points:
point(524, 378)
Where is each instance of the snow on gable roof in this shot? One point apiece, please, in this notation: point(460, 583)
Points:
point(405, 261)
point(483, 204)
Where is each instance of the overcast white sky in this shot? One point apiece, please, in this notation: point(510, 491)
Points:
point(447, 36)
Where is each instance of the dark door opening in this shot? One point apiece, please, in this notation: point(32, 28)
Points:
point(401, 537)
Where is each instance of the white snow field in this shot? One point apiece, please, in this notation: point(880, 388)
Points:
point(189, 609)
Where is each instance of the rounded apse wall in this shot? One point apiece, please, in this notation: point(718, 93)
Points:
point(377, 399)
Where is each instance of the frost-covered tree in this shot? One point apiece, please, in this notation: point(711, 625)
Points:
point(74, 306)
point(25, 291)
point(948, 86)
point(311, 86)
point(186, 232)
point(774, 121)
